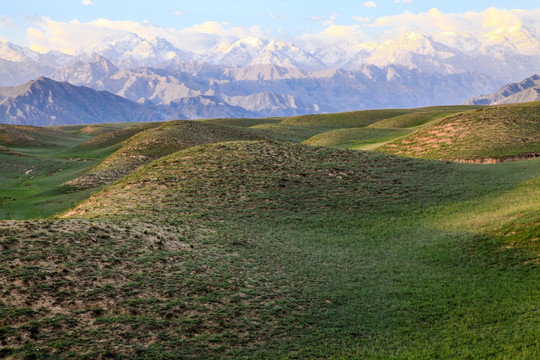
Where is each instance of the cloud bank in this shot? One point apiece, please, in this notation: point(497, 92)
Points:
point(47, 34)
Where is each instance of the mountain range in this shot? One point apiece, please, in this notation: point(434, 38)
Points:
point(259, 77)
point(47, 102)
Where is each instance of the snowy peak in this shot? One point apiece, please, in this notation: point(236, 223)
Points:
point(461, 41)
point(16, 53)
point(132, 50)
point(415, 51)
point(516, 39)
point(258, 51)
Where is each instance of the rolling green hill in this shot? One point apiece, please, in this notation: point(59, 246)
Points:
point(352, 138)
point(27, 136)
point(219, 242)
point(355, 130)
point(395, 118)
point(490, 134)
point(153, 143)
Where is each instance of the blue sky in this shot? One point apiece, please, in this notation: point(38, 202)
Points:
point(21, 21)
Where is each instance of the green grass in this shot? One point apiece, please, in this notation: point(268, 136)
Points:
point(411, 120)
point(149, 143)
point(284, 132)
point(243, 122)
point(352, 119)
point(496, 133)
point(34, 168)
point(271, 249)
point(30, 186)
point(356, 247)
point(28, 137)
point(356, 119)
point(354, 138)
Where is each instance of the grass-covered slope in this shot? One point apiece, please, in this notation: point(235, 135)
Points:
point(153, 143)
point(388, 118)
point(489, 134)
point(107, 141)
point(244, 176)
point(242, 122)
point(25, 136)
point(358, 129)
point(414, 119)
point(355, 137)
point(280, 250)
point(269, 249)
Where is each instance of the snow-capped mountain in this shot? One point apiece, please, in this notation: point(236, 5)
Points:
point(414, 51)
point(258, 51)
point(19, 65)
point(131, 51)
point(265, 77)
point(514, 40)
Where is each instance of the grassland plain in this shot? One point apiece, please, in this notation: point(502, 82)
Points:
point(270, 249)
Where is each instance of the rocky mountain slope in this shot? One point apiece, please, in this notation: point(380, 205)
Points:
point(47, 102)
point(525, 91)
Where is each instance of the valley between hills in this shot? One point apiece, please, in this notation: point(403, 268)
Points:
point(377, 234)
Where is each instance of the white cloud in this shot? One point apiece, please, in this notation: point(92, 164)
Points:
point(362, 19)
point(370, 4)
point(71, 36)
point(87, 2)
point(178, 13)
point(472, 22)
point(331, 20)
point(47, 34)
point(403, 1)
point(332, 36)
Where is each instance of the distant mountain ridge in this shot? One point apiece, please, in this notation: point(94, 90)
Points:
point(260, 77)
point(526, 91)
point(47, 102)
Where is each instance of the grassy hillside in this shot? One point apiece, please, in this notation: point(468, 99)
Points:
point(239, 122)
point(353, 129)
point(352, 138)
point(411, 120)
point(154, 143)
point(35, 163)
point(258, 248)
point(30, 184)
point(345, 120)
point(108, 141)
point(494, 133)
point(28, 136)
point(401, 117)
point(325, 253)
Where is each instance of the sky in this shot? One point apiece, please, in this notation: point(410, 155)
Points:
point(198, 25)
